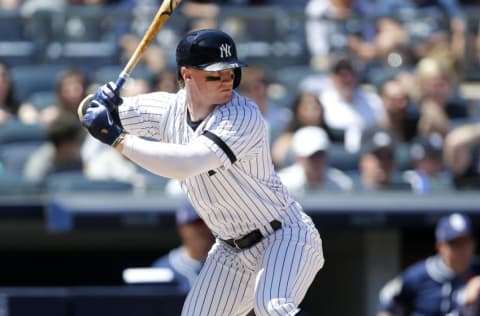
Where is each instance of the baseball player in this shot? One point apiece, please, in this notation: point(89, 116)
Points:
point(267, 250)
point(443, 284)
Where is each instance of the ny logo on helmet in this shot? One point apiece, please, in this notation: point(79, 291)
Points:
point(225, 51)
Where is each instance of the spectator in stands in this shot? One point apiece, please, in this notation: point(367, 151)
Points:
point(254, 85)
point(340, 25)
point(438, 284)
point(401, 117)
point(462, 155)
point(429, 173)
point(137, 85)
point(306, 111)
point(436, 84)
point(187, 260)
point(377, 163)
point(428, 26)
point(71, 88)
point(311, 172)
point(8, 104)
point(61, 152)
point(349, 108)
point(166, 81)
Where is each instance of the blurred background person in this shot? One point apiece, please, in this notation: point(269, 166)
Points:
point(348, 108)
point(306, 111)
point(8, 104)
point(436, 285)
point(462, 155)
point(340, 25)
point(429, 173)
point(401, 113)
point(166, 81)
point(437, 85)
point(429, 26)
point(311, 172)
point(187, 260)
point(377, 164)
point(70, 90)
point(60, 153)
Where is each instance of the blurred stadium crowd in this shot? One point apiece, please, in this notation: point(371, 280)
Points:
point(359, 95)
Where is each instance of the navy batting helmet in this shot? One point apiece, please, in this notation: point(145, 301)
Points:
point(209, 50)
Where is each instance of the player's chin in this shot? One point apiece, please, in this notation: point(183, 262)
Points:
point(225, 95)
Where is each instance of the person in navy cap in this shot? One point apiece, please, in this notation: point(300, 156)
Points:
point(438, 284)
point(186, 260)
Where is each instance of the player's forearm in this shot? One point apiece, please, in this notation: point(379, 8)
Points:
point(168, 160)
point(458, 145)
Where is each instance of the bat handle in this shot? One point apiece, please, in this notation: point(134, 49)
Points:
point(122, 78)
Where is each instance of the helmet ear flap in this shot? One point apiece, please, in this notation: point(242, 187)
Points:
point(237, 78)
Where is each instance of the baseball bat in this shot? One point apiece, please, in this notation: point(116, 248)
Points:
point(162, 15)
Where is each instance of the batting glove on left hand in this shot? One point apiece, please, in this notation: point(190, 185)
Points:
point(99, 123)
point(109, 96)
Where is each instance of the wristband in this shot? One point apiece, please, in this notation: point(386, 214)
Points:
point(119, 139)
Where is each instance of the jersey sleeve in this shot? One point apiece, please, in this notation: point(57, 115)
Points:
point(235, 131)
point(396, 295)
point(147, 115)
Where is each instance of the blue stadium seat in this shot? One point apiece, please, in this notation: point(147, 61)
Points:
point(110, 73)
point(340, 158)
point(16, 53)
point(86, 56)
point(16, 131)
point(14, 155)
point(77, 182)
point(14, 183)
point(42, 99)
point(28, 79)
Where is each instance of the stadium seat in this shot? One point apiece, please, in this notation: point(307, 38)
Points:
point(16, 131)
point(42, 99)
point(16, 53)
point(340, 158)
point(85, 56)
point(110, 73)
point(28, 79)
point(14, 155)
point(14, 183)
point(17, 46)
point(77, 182)
point(292, 76)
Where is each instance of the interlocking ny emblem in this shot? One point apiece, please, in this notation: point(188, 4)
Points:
point(225, 51)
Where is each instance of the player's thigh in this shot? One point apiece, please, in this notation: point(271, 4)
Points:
point(292, 258)
point(221, 287)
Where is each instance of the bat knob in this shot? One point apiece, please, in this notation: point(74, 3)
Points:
point(83, 107)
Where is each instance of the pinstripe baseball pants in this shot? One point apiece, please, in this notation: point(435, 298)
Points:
point(272, 276)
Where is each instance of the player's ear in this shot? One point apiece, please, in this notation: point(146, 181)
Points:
point(186, 73)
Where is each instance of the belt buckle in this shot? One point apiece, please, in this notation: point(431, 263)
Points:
point(234, 241)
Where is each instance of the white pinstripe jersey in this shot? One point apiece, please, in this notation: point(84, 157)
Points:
point(245, 192)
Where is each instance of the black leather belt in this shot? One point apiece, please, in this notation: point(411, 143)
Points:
point(251, 238)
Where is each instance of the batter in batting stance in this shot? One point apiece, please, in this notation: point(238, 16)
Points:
point(267, 250)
